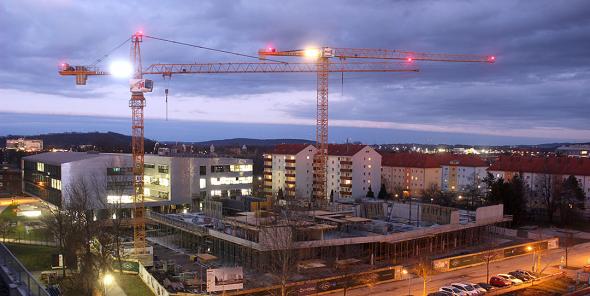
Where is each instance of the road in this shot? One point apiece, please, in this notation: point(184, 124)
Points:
point(578, 256)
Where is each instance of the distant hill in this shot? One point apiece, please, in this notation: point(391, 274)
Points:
point(108, 141)
point(246, 141)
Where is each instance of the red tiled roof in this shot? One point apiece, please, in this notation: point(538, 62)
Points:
point(423, 160)
point(548, 165)
point(344, 149)
point(410, 160)
point(288, 149)
point(465, 160)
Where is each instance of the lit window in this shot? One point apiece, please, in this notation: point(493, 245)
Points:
point(202, 183)
point(40, 166)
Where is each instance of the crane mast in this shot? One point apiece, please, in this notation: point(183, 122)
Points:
point(137, 104)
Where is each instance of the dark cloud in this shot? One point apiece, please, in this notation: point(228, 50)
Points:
point(540, 79)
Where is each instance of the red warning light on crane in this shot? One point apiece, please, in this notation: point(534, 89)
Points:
point(410, 59)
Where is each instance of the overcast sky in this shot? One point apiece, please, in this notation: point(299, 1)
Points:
point(536, 92)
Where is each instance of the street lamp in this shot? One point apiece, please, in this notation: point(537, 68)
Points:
point(107, 280)
point(406, 273)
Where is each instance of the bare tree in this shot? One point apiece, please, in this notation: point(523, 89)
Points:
point(490, 254)
point(423, 269)
point(546, 190)
point(278, 235)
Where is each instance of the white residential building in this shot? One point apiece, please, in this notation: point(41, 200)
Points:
point(461, 172)
point(289, 168)
point(167, 180)
point(352, 169)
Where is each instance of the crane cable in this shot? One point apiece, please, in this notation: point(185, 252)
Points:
point(211, 49)
point(102, 58)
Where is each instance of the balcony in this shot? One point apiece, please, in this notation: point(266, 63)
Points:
point(345, 185)
point(267, 173)
point(290, 175)
point(345, 162)
point(345, 193)
point(268, 166)
point(290, 161)
point(346, 178)
point(346, 170)
point(290, 182)
point(267, 187)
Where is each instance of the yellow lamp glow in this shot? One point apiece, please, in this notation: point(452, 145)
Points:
point(311, 53)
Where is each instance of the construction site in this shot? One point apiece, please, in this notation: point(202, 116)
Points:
point(311, 245)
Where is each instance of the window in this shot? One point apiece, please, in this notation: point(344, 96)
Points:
point(202, 170)
point(163, 169)
point(40, 166)
point(149, 166)
point(202, 183)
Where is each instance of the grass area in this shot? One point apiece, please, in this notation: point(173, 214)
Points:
point(132, 285)
point(34, 258)
point(9, 214)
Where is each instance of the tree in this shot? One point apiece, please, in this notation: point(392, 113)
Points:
point(280, 194)
point(490, 254)
point(370, 193)
point(548, 194)
point(423, 269)
point(571, 197)
point(511, 194)
point(332, 195)
point(397, 192)
point(383, 192)
point(6, 228)
point(277, 236)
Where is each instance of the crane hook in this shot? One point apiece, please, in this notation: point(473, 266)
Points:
point(166, 92)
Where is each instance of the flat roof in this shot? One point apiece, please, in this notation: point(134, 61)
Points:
point(60, 157)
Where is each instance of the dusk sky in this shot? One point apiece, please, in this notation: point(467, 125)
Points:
point(537, 91)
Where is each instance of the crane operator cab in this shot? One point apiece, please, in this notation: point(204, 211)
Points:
point(141, 85)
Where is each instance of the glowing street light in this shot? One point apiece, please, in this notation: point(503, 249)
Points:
point(107, 280)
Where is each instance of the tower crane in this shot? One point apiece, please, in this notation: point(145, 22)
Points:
point(323, 55)
point(139, 86)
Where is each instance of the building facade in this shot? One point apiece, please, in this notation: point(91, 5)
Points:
point(288, 168)
point(10, 181)
point(22, 144)
point(459, 173)
point(544, 174)
point(410, 173)
point(53, 177)
point(352, 169)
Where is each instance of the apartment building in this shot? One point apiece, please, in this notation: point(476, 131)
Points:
point(167, 180)
point(27, 145)
point(538, 171)
point(415, 172)
point(288, 168)
point(351, 170)
point(461, 172)
point(411, 172)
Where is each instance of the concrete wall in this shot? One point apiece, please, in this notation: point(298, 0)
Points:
point(489, 213)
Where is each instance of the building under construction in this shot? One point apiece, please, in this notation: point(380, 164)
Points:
point(340, 236)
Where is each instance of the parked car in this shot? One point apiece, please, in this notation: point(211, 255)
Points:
point(521, 276)
point(478, 288)
point(497, 281)
point(510, 278)
point(530, 274)
point(454, 291)
point(467, 288)
point(486, 286)
point(440, 293)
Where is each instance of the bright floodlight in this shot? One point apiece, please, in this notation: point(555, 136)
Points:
point(121, 69)
point(107, 280)
point(311, 53)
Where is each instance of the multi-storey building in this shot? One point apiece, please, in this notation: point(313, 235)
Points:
point(411, 172)
point(168, 181)
point(461, 172)
point(415, 172)
point(543, 173)
point(352, 169)
point(288, 168)
point(22, 144)
point(10, 181)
